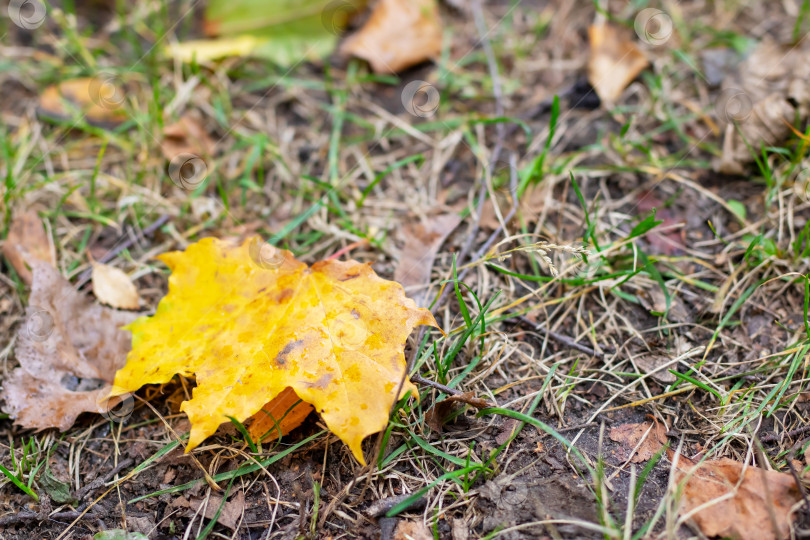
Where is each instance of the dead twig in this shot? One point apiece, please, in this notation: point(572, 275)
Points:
point(126, 244)
point(773, 437)
point(455, 395)
point(101, 480)
point(565, 340)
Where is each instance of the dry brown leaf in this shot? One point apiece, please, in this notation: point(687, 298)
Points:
point(614, 62)
point(423, 241)
point(114, 288)
point(231, 513)
point(758, 103)
point(412, 530)
point(69, 349)
point(629, 435)
point(398, 34)
point(186, 136)
point(99, 99)
point(747, 499)
point(652, 363)
point(26, 239)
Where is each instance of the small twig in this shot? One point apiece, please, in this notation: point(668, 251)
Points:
point(773, 437)
point(798, 480)
point(576, 427)
point(455, 395)
point(126, 244)
point(382, 506)
point(100, 481)
point(418, 379)
point(565, 340)
point(21, 517)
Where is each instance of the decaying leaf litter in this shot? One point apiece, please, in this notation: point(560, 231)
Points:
point(712, 297)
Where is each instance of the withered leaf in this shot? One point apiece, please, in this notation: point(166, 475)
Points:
point(654, 435)
point(744, 499)
point(26, 239)
point(114, 288)
point(422, 242)
point(614, 62)
point(398, 34)
point(69, 349)
point(99, 100)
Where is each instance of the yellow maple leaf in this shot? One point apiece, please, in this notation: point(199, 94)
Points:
point(250, 321)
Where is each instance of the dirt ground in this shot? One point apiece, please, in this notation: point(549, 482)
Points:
point(583, 353)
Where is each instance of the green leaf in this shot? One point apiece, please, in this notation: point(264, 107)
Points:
point(285, 32)
point(119, 534)
point(738, 208)
point(647, 224)
point(58, 491)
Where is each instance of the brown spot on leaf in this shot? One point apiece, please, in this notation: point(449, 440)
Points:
point(283, 295)
point(281, 357)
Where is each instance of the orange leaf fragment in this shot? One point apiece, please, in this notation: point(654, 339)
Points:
point(249, 321)
point(282, 415)
point(99, 99)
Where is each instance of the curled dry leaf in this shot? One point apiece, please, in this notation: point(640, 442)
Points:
point(398, 34)
point(422, 242)
point(99, 100)
point(743, 502)
point(26, 239)
point(250, 321)
point(69, 349)
point(412, 530)
point(186, 136)
point(651, 435)
point(614, 62)
point(759, 103)
point(229, 516)
point(114, 288)
point(657, 364)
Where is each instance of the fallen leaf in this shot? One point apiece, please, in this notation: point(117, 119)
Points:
point(26, 239)
point(281, 31)
point(231, 513)
point(422, 243)
point(186, 136)
point(614, 62)
point(654, 435)
point(412, 530)
point(398, 34)
point(119, 534)
point(437, 415)
point(746, 498)
point(283, 414)
point(250, 320)
point(99, 100)
point(69, 349)
point(759, 103)
point(113, 287)
point(652, 363)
